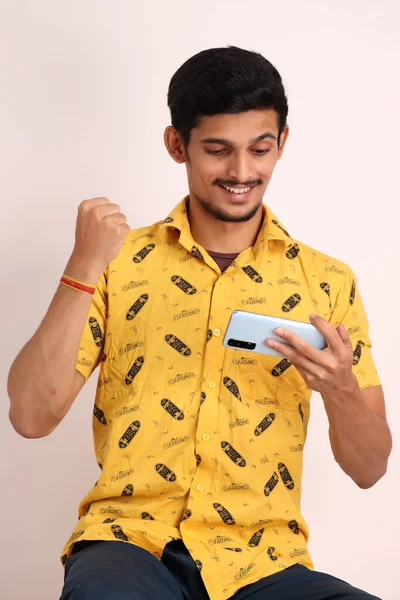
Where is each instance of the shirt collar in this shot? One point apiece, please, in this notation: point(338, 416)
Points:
point(271, 228)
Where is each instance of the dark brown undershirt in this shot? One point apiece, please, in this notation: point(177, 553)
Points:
point(222, 260)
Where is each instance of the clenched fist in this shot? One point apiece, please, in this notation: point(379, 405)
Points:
point(99, 234)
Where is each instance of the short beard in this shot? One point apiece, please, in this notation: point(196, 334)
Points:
point(223, 215)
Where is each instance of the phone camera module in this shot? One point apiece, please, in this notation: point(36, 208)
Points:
point(241, 344)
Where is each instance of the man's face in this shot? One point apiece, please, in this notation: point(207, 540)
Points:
point(233, 161)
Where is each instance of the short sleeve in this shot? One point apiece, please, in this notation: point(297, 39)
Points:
point(350, 311)
point(91, 344)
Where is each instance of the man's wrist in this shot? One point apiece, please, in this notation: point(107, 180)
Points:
point(82, 270)
point(348, 397)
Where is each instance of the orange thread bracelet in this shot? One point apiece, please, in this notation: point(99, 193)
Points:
point(77, 285)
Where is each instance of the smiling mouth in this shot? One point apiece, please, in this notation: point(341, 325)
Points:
point(239, 193)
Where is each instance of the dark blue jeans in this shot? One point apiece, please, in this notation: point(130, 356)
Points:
point(120, 571)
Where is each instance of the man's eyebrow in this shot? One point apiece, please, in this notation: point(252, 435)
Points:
point(214, 140)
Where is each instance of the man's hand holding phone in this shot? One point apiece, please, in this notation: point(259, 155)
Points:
point(326, 371)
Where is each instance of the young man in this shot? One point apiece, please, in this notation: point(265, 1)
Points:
point(200, 447)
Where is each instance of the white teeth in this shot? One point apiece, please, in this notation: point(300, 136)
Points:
point(237, 190)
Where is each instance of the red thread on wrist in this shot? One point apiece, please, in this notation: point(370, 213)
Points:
point(77, 286)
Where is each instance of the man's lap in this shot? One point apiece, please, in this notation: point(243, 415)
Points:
point(117, 571)
point(122, 571)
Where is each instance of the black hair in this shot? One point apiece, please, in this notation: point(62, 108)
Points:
point(224, 80)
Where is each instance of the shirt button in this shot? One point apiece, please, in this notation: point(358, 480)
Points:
point(206, 437)
point(200, 488)
point(217, 332)
point(212, 384)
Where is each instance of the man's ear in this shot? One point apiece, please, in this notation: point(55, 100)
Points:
point(283, 138)
point(174, 144)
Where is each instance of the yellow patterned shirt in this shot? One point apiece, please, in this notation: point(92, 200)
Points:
point(196, 441)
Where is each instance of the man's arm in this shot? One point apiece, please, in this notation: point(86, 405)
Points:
point(360, 436)
point(43, 380)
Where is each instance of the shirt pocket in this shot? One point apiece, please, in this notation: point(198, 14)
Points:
point(272, 381)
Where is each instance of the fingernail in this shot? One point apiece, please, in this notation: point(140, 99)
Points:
point(312, 316)
point(279, 331)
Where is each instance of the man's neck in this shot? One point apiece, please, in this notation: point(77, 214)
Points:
point(221, 236)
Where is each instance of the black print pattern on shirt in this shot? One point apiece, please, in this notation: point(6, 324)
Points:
point(99, 414)
point(281, 367)
point(134, 370)
point(147, 516)
point(172, 409)
point(199, 564)
point(96, 331)
point(294, 526)
point(264, 424)
point(137, 306)
point(252, 273)
point(357, 352)
point(196, 252)
point(165, 472)
point(183, 285)
point(270, 551)
point(141, 255)
point(224, 514)
point(118, 533)
point(255, 538)
point(129, 434)
point(233, 454)
point(327, 289)
point(177, 345)
point(232, 387)
point(275, 222)
point(285, 475)
point(293, 252)
point(353, 292)
point(271, 484)
point(291, 302)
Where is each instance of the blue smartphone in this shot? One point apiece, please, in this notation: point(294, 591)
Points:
point(248, 331)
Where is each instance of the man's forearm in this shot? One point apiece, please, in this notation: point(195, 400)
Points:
point(361, 440)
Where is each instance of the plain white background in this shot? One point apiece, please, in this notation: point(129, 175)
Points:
point(82, 114)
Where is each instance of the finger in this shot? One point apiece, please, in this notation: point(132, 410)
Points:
point(329, 332)
point(295, 357)
point(344, 335)
point(299, 344)
point(306, 375)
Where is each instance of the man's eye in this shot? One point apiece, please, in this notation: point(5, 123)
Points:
point(219, 152)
